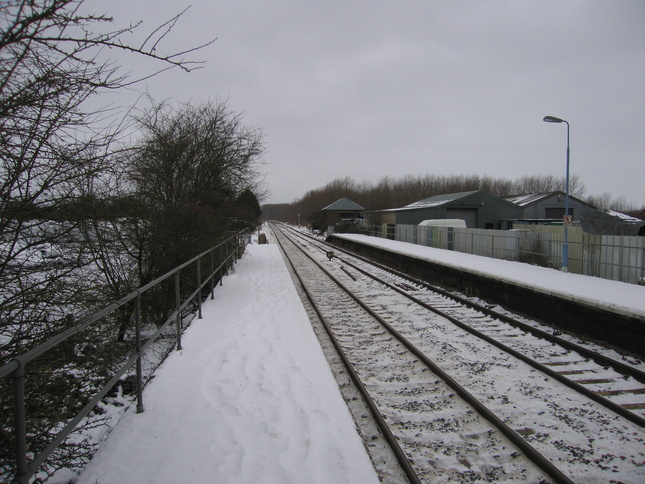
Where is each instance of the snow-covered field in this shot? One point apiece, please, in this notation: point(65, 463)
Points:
point(249, 399)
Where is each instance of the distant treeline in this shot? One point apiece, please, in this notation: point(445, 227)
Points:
point(390, 192)
point(245, 209)
point(73, 209)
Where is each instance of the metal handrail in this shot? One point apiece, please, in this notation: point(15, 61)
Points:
point(16, 367)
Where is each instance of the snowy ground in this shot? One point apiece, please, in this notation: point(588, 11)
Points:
point(249, 399)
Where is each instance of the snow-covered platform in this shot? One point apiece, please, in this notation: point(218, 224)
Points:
point(250, 398)
point(609, 310)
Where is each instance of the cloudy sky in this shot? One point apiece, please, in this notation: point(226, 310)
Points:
point(368, 89)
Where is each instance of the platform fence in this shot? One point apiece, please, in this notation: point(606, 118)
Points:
point(615, 257)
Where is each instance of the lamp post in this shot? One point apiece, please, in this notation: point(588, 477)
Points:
point(565, 246)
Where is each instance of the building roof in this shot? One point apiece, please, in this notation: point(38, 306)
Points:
point(533, 198)
point(344, 205)
point(610, 222)
point(528, 199)
point(623, 217)
point(436, 201)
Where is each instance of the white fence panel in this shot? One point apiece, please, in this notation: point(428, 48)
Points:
point(405, 233)
point(620, 258)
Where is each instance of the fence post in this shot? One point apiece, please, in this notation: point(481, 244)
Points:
point(221, 258)
point(178, 305)
point(20, 425)
point(212, 272)
point(137, 321)
point(199, 286)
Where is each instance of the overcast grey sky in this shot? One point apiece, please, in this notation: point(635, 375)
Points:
point(367, 89)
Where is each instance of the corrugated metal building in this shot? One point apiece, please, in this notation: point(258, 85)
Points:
point(477, 208)
point(550, 206)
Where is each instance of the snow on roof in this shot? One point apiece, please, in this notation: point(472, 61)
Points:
point(344, 205)
point(622, 216)
point(531, 198)
point(528, 199)
point(436, 201)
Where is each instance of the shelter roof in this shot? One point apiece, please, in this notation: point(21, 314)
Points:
point(343, 205)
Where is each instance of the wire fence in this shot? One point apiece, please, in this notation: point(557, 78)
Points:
point(29, 376)
point(615, 257)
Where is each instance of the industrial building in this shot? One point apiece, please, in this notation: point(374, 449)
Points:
point(477, 208)
point(544, 207)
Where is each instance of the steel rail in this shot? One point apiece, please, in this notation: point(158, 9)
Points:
point(378, 417)
point(597, 357)
point(531, 453)
point(615, 407)
point(569, 345)
point(585, 352)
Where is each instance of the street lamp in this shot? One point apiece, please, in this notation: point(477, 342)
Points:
point(565, 246)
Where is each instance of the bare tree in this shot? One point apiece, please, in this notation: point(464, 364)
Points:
point(52, 148)
point(188, 172)
point(548, 183)
point(607, 202)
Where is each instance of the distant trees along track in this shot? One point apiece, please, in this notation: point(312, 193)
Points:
point(468, 392)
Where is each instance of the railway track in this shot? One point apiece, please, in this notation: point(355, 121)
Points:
point(615, 384)
point(455, 399)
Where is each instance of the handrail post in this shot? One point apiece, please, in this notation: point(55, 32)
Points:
point(20, 425)
point(221, 258)
point(199, 287)
point(137, 322)
point(178, 304)
point(212, 271)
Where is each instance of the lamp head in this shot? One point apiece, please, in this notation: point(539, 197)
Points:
point(553, 119)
